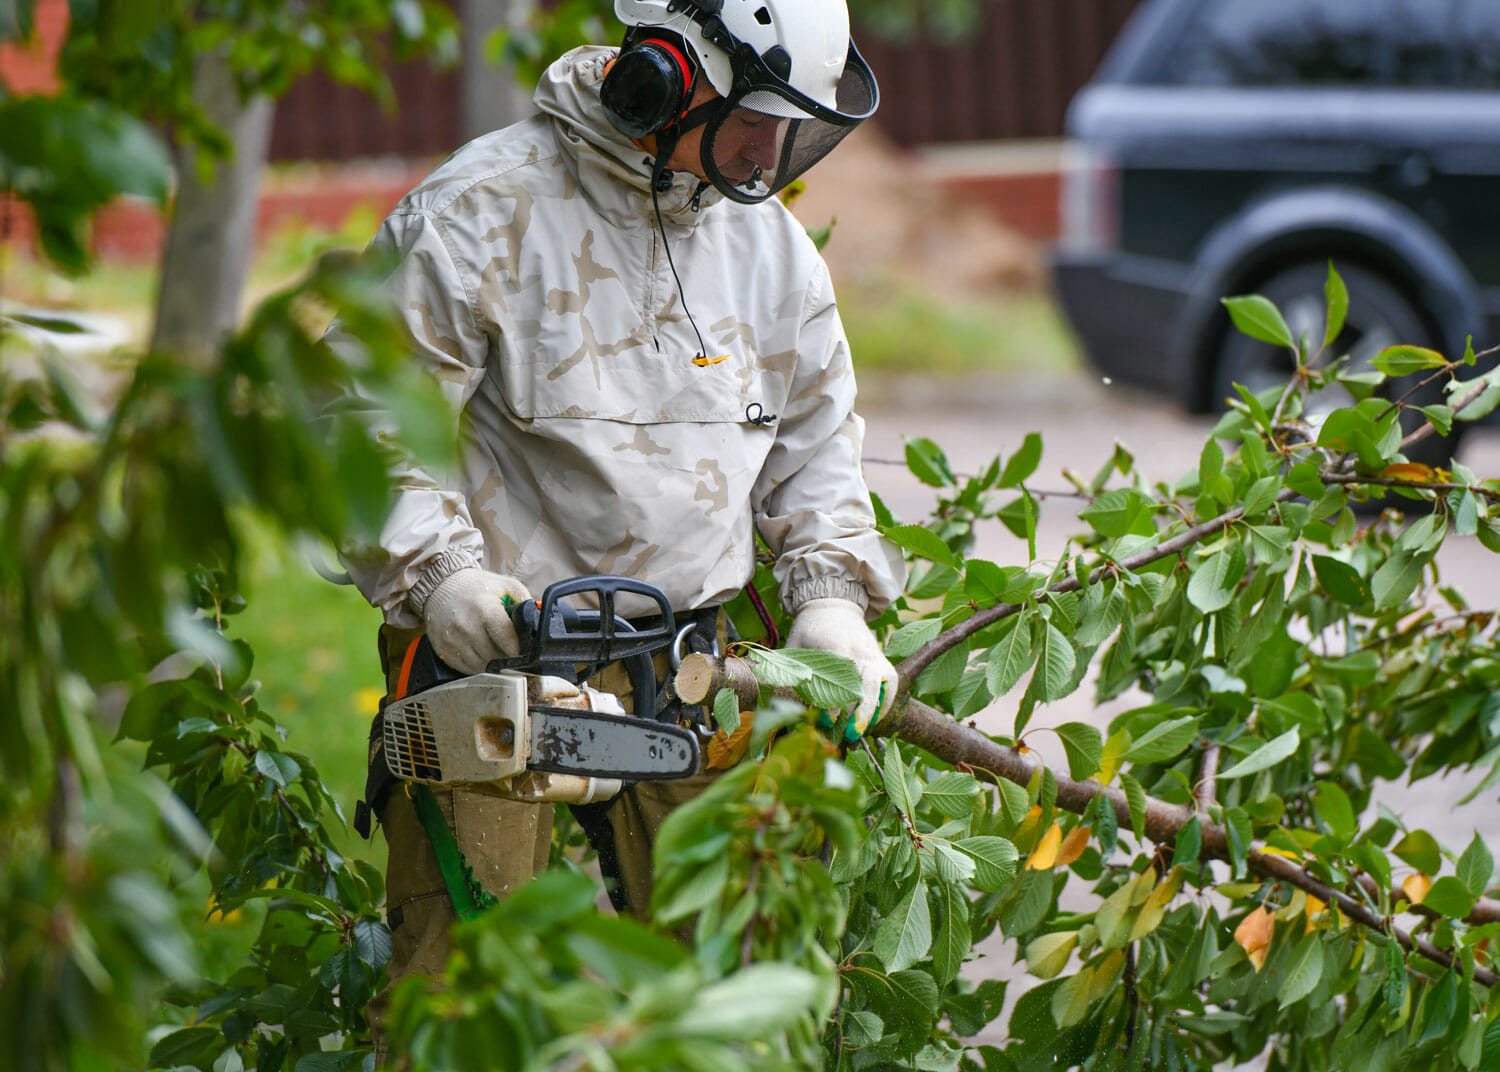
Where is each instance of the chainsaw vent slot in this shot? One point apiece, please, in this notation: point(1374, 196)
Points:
point(410, 745)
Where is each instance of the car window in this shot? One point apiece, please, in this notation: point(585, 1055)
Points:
point(1333, 43)
point(1476, 45)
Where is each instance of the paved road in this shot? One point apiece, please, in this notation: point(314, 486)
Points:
point(1081, 418)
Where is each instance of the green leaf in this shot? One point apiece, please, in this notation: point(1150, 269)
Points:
point(756, 1000)
point(372, 942)
point(1476, 867)
point(1337, 296)
point(986, 583)
point(913, 635)
point(952, 793)
point(994, 861)
point(1112, 514)
point(1084, 745)
point(1216, 580)
point(1449, 896)
point(278, 767)
point(1341, 581)
point(1048, 954)
point(189, 1046)
point(1332, 805)
point(1397, 578)
point(924, 543)
point(1135, 796)
point(908, 1002)
point(905, 935)
point(954, 936)
point(863, 1028)
point(700, 889)
point(1440, 417)
point(1189, 843)
point(928, 463)
point(1260, 495)
point(828, 680)
point(893, 772)
point(1266, 756)
point(1023, 462)
point(1010, 657)
point(330, 1061)
point(1258, 318)
point(1304, 972)
point(1055, 664)
point(727, 711)
point(1420, 850)
point(1163, 741)
point(1404, 360)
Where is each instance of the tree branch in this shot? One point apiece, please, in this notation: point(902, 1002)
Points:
point(929, 729)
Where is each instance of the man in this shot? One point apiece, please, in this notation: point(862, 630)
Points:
point(644, 353)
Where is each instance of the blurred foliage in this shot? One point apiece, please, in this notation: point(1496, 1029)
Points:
point(127, 69)
point(553, 29)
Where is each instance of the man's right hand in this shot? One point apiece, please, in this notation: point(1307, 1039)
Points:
point(468, 618)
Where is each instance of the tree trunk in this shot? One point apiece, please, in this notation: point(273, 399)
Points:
point(211, 236)
point(490, 97)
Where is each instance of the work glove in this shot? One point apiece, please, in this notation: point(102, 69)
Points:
point(468, 618)
point(838, 626)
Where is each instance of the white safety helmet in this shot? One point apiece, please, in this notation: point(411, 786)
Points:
point(790, 83)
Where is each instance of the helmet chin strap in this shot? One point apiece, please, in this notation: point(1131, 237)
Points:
point(668, 138)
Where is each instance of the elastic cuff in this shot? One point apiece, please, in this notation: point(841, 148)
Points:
point(435, 572)
point(826, 588)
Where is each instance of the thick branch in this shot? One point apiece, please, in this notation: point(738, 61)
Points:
point(927, 728)
point(952, 741)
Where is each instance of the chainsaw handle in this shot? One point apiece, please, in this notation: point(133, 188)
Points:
point(615, 639)
point(555, 636)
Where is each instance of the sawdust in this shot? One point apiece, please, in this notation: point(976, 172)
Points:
point(893, 223)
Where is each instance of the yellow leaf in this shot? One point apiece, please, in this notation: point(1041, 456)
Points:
point(1315, 907)
point(1073, 845)
point(1044, 856)
point(1415, 886)
point(725, 749)
point(703, 362)
point(1254, 935)
point(1272, 850)
point(1412, 472)
point(1155, 908)
point(1114, 754)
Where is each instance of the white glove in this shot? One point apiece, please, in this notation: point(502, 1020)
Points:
point(468, 620)
point(838, 626)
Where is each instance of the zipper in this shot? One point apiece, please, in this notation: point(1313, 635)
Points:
point(648, 312)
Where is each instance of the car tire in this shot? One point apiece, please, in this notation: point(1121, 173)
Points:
point(1379, 315)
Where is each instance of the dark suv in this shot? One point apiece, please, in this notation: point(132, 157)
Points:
point(1231, 146)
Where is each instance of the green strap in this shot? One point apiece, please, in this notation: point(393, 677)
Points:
point(468, 896)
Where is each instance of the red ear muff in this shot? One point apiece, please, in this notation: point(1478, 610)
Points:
point(648, 88)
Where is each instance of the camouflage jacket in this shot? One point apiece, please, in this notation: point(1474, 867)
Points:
point(533, 277)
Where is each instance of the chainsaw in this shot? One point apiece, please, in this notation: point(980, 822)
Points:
point(527, 728)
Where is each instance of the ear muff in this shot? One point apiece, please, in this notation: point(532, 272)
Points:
point(648, 88)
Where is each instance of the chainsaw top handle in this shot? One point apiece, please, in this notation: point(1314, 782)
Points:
point(557, 637)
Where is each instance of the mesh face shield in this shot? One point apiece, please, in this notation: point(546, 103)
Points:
point(764, 134)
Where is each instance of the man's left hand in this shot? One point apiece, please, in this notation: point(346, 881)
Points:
point(838, 626)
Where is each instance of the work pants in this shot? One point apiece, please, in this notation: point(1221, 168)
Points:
point(505, 843)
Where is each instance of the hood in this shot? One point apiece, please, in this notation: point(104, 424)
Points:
point(612, 171)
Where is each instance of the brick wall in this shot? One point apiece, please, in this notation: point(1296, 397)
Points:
point(32, 67)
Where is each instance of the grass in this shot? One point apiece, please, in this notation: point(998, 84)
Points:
point(907, 330)
point(315, 654)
